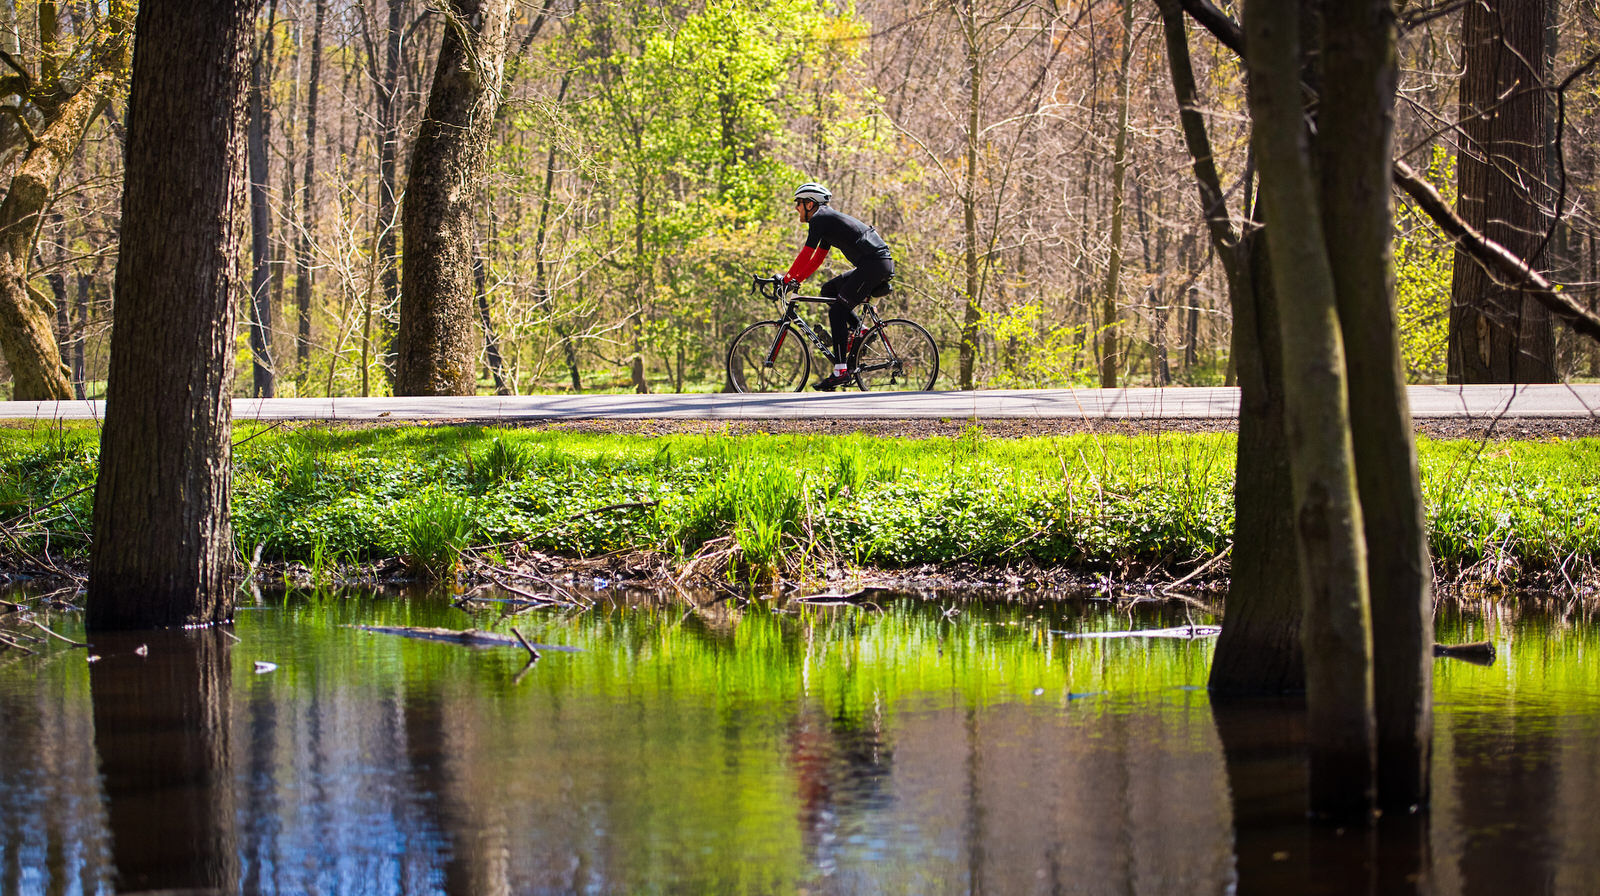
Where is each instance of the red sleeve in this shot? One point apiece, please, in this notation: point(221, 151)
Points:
point(806, 263)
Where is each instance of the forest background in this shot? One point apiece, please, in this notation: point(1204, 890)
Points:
point(1023, 159)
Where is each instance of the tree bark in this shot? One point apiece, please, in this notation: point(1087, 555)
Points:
point(1259, 649)
point(263, 370)
point(972, 313)
point(1336, 628)
point(1110, 355)
point(162, 548)
point(437, 344)
point(1355, 127)
point(308, 196)
point(26, 335)
point(1499, 334)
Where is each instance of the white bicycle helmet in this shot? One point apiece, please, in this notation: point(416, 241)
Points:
point(814, 192)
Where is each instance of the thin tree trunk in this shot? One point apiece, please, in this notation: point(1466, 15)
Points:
point(1337, 625)
point(491, 340)
point(973, 312)
point(1110, 356)
point(162, 549)
point(308, 201)
point(264, 371)
point(437, 344)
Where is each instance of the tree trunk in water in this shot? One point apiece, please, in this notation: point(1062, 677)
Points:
point(162, 549)
point(1499, 335)
point(263, 371)
point(1355, 153)
point(1259, 649)
point(1336, 628)
point(437, 345)
point(1110, 356)
point(302, 275)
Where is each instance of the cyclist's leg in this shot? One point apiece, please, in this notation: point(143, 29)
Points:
point(857, 285)
point(841, 318)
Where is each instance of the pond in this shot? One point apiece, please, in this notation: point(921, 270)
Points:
point(914, 746)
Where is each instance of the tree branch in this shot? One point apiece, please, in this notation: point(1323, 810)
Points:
point(1499, 261)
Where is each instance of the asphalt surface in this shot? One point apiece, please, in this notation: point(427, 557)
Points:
point(1427, 402)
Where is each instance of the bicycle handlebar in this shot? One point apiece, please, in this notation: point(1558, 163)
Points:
point(772, 287)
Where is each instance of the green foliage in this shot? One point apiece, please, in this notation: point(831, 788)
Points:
point(1424, 261)
point(1035, 352)
point(319, 497)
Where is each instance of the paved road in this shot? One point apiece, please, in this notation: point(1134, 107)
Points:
point(1467, 402)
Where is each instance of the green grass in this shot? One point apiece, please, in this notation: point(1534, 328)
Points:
point(786, 504)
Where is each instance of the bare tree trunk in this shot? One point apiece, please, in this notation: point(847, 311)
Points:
point(308, 200)
point(1337, 627)
point(1500, 335)
point(437, 344)
point(491, 340)
point(162, 549)
point(264, 371)
point(973, 312)
point(1110, 354)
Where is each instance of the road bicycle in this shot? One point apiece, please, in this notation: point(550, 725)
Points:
point(775, 355)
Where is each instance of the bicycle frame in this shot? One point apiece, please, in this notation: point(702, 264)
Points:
point(772, 288)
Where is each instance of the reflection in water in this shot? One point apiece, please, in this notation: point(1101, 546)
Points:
point(828, 752)
point(162, 722)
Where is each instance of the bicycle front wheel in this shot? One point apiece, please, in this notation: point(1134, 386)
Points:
point(898, 355)
point(769, 356)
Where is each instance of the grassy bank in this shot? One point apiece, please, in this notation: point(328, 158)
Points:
point(764, 505)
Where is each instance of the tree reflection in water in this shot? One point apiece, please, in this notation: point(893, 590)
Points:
point(162, 723)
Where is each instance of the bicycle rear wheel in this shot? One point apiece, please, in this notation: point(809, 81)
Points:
point(898, 355)
point(769, 356)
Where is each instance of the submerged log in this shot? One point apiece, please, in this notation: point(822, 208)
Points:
point(1479, 652)
point(470, 637)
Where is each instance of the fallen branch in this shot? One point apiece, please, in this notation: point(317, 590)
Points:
point(1201, 569)
point(41, 627)
point(532, 653)
point(470, 637)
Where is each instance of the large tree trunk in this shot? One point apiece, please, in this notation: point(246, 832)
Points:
point(1259, 650)
point(438, 341)
point(26, 335)
point(162, 549)
point(1336, 628)
point(1500, 335)
point(1355, 152)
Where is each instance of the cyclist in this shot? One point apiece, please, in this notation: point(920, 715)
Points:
point(861, 246)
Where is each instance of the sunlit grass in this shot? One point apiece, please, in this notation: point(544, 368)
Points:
point(789, 503)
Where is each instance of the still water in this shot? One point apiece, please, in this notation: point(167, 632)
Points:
point(917, 747)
